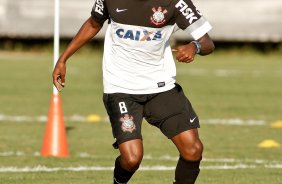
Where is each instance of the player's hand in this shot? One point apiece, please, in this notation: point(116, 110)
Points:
point(185, 53)
point(59, 73)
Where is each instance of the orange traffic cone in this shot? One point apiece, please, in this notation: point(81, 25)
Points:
point(55, 142)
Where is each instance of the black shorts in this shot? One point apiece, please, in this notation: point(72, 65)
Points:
point(170, 111)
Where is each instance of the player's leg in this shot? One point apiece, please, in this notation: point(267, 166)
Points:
point(190, 148)
point(131, 154)
point(173, 114)
point(126, 117)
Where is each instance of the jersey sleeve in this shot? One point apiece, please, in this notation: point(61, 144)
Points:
point(99, 11)
point(189, 19)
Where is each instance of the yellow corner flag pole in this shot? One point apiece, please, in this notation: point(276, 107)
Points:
point(55, 141)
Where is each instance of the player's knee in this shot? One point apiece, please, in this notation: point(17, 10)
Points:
point(193, 152)
point(133, 161)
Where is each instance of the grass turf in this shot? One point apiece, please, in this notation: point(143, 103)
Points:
point(225, 85)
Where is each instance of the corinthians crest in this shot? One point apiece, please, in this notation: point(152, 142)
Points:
point(127, 124)
point(158, 17)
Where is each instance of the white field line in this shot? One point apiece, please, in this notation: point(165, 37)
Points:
point(142, 168)
point(79, 118)
point(209, 164)
point(215, 160)
point(238, 122)
point(267, 163)
point(148, 157)
point(12, 153)
point(274, 166)
point(222, 72)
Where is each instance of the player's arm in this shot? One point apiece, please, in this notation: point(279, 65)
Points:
point(87, 31)
point(192, 22)
point(202, 46)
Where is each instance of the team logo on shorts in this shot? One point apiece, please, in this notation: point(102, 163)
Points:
point(127, 124)
point(158, 17)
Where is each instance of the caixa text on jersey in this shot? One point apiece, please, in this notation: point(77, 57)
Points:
point(138, 35)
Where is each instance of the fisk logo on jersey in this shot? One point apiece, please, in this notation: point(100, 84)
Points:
point(99, 7)
point(186, 11)
point(138, 35)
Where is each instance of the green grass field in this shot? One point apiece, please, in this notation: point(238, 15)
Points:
point(237, 95)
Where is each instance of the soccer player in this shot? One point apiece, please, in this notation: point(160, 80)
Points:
point(139, 77)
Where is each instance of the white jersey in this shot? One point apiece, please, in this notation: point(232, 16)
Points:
point(137, 55)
